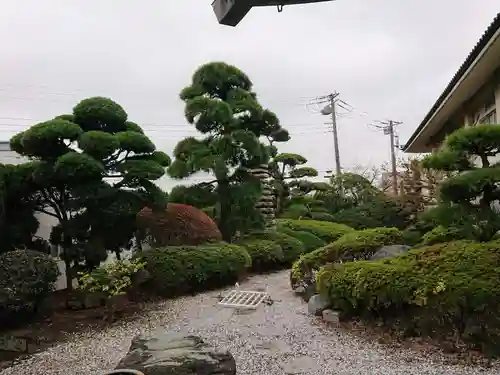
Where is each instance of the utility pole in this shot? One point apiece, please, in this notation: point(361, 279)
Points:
point(388, 129)
point(330, 109)
point(332, 98)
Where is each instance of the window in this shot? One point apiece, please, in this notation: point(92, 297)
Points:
point(489, 118)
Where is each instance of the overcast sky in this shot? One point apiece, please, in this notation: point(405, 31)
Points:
point(388, 59)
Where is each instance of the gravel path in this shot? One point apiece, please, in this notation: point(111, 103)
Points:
point(274, 340)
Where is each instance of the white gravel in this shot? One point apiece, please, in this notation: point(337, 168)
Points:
point(274, 340)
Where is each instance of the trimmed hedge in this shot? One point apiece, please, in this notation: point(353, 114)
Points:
point(177, 270)
point(292, 247)
point(325, 230)
point(265, 254)
point(309, 240)
point(26, 279)
point(441, 234)
point(446, 290)
point(353, 245)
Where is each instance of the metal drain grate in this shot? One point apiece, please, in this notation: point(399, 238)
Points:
point(242, 299)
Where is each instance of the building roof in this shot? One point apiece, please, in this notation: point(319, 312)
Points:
point(492, 29)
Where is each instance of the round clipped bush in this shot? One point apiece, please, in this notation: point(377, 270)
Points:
point(179, 224)
point(266, 255)
point(355, 245)
point(292, 247)
point(447, 290)
point(26, 278)
point(441, 234)
point(325, 230)
point(176, 270)
point(309, 240)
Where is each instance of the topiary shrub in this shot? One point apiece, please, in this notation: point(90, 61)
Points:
point(448, 290)
point(266, 255)
point(179, 224)
point(355, 245)
point(325, 230)
point(26, 279)
point(322, 216)
point(292, 247)
point(441, 234)
point(176, 270)
point(309, 240)
point(411, 237)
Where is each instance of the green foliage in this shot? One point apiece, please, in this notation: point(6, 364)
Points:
point(309, 240)
point(354, 245)
point(379, 212)
point(178, 270)
point(346, 191)
point(220, 104)
point(266, 255)
point(442, 234)
point(292, 248)
point(286, 173)
point(411, 237)
point(473, 188)
point(327, 231)
point(199, 196)
point(26, 279)
point(93, 190)
point(441, 290)
point(111, 279)
point(322, 216)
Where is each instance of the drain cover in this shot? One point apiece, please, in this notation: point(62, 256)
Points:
point(242, 299)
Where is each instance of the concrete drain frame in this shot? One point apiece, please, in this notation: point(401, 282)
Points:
point(245, 299)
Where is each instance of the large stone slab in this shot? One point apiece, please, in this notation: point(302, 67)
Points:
point(390, 251)
point(317, 304)
point(173, 353)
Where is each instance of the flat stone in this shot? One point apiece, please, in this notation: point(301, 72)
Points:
point(173, 353)
point(330, 316)
point(389, 251)
point(317, 304)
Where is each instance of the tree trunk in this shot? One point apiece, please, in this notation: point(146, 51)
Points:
point(224, 211)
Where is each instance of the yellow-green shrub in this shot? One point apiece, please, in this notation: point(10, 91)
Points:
point(353, 245)
point(309, 240)
point(444, 289)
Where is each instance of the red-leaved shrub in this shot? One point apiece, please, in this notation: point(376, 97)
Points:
point(179, 224)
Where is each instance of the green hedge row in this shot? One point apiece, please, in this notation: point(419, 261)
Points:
point(446, 290)
point(177, 270)
point(353, 245)
point(325, 230)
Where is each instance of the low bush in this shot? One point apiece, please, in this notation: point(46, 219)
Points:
point(111, 279)
point(177, 270)
point(178, 225)
point(374, 213)
point(411, 237)
point(309, 240)
point(266, 255)
point(448, 290)
point(292, 247)
point(325, 230)
point(322, 216)
point(26, 279)
point(441, 234)
point(355, 245)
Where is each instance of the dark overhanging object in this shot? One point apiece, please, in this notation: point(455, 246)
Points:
point(231, 12)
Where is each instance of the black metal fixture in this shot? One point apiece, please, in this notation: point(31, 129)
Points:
point(231, 12)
